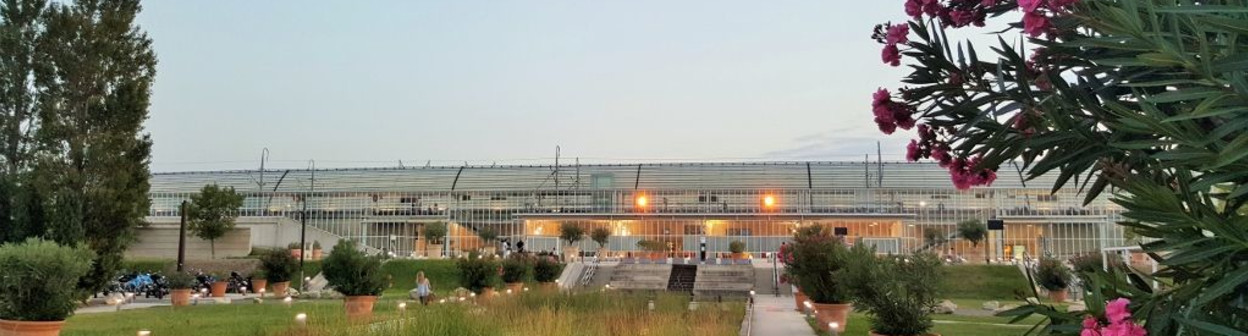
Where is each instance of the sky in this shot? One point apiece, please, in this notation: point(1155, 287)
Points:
point(384, 83)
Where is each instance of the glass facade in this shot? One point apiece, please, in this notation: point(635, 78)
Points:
point(888, 205)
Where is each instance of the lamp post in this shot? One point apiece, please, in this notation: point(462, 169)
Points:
point(303, 242)
point(182, 236)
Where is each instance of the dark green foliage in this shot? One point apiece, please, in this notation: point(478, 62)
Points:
point(736, 246)
point(818, 259)
point(352, 273)
point(547, 269)
point(517, 268)
point(39, 280)
point(651, 245)
point(435, 232)
point(571, 232)
point(973, 230)
point(476, 273)
point(898, 292)
point(316, 244)
point(1052, 274)
point(983, 282)
point(181, 280)
point(211, 213)
point(600, 235)
point(279, 265)
point(933, 236)
point(488, 234)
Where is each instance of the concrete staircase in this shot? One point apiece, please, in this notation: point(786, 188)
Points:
point(682, 278)
point(724, 281)
point(640, 277)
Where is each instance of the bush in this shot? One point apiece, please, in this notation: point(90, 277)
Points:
point(651, 245)
point(488, 234)
point(476, 273)
point(817, 257)
point(435, 232)
point(516, 268)
point(1052, 275)
point(40, 278)
point(278, 265)
point(898, 292)
point(547, 269)
point(181, 280)
point(736, 246)
point(973, 231)
point(294, 246)
point(351, 272)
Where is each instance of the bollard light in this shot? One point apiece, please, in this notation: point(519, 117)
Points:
point(442, 301)
point(461, 299)
point(474, 294)
point(650, 305)
point(301, 319)
point(402, 306)
point(834, 328)
point(751, 293)
point(203, 290)
point(145, 333)
point(288, 301)
point(509, 291)
point(526, 289)
point(243, 290)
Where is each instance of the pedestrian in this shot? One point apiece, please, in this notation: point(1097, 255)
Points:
point(423, 290)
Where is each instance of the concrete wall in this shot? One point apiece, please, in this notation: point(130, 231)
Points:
point(160, 238)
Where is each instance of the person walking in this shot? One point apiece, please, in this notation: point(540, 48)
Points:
point(423, 289)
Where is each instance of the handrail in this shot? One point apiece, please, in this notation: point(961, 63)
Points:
point(749, 318)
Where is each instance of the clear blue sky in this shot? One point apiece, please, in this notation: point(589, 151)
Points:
point(369, 83)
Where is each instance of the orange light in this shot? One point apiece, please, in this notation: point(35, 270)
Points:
point(642, 201)
point(769, 201)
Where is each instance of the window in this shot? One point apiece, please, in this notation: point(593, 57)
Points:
point(498, 197)
point(1046, 198)
point(465, 197)
point(714, 198)
point(702, 199)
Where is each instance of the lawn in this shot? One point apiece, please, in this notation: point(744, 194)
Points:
point(983, 282)
point(596, 313)
point(949, 325)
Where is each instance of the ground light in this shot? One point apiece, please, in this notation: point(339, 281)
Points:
point(402, 306)
point(288, 301)
point(145, 333)
point(833, 328)
point(301, 319)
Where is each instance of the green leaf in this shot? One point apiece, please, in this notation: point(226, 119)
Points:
point(1228, 283)
point(1236, 62)
point(1233, 151)
point(1210, 327)
point(1238, 26)
point(1161, 59)
point(1188, 256)
point(1182, 95)
point(1203, 9)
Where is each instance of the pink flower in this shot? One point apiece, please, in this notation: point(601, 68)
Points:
point(1035, 23)
point(988, 3)
point(932, 8)
point(940, 153)
point(897, 34)
point(912, 151)
point(886, 126)
point(1116, 311)
point(891, 55)
point(962, 18)
point(1090, 326)
point(1030, 6)
point(914, 8)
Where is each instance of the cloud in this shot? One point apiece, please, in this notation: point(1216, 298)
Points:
point(839, 144)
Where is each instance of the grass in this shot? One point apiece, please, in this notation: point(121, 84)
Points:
point(442, 274)
point(983, 282)
point(949, 325)
point(596, 313)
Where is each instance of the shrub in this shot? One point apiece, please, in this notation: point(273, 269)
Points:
point(601, 236)
point(898, 292)
point(40, 278)
point(651, 245)
point(488, 234)
point(973, 231)
point(547, 269)
point(351, 272)
point(294, 246)
point(316, 244)
point(516, 268)
point(476, 273)
point(736, 246)
point(570, 232)
point(817, 257)
point(278, 265)
point(1052, 275)
point(181, 280)
point(435, 232)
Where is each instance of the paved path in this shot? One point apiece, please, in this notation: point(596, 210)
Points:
point(775, 316)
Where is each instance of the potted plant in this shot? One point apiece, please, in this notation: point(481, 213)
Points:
point(219, 285)
point(38, 289)
point(1053, 277)
point(602, 236)
point(515, 270)
point(357, 276)
point(259, 281)
point(180, 284)
point(818, 256)
point(897, 292)
point(488, 235)
point(279, 268)
point(737, 248)
point(316, 250)
point(295, 249)
point(545, 271)
point(478, 274)
point(434, 234)
point(786, 256)
point(570, 233)
point(974, 231)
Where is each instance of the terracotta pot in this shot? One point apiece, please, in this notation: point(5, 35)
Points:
point(488, 292)
point(800, 299)
point(30, 328)
point(296, 253)
point(279, 288)
point(218, 288)
point(316, 254)
point(360, 307)
point(832, 312)
point(1058, 295)
point(259, 284)
point(873, 333)
point(515, 287)
point(180, 297)
point(738, 256)
point(433, 250)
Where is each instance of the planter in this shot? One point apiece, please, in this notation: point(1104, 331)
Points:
point(800, 299)
point(297, 253)
point(738, 256)
point(30, 328)
point(433, 250)
point(515, 287)
point(1058, 295)
point(488, 292)
point(832, 312)
point(279, 288)
point(873, 333)
point(359, 307)
point(316, 254)
point(602, 253)
point(570, 253)
point(218, 288)
point(489, 250)
point(258, 285)
point(180, 297)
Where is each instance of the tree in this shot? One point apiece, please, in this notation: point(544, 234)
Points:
point(488, 235)
point(1145, 96)
point(435, 232)
point(973, 230)
point(601, 236)
point(75, 82)
point(211, 213)
point(570, 232)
